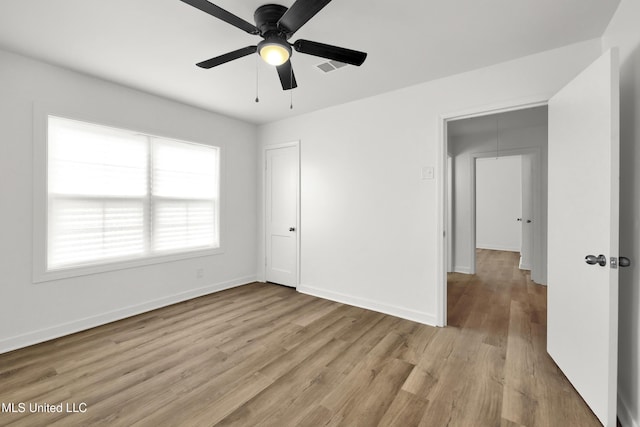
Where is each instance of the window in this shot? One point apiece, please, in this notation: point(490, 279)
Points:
point(115, 195)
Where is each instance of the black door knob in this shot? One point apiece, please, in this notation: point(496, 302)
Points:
point(601, 260)
point(292, 229)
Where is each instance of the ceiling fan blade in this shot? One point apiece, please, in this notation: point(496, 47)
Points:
point(287, 78)
point(222, 14)
point(348, 56)
point(218, 60)
point(299, 13)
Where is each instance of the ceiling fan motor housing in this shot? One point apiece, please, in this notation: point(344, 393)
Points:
point(267, 17)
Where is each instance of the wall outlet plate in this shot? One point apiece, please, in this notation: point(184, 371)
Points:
point(427, 172)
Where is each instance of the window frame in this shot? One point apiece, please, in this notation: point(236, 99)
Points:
point(41, 273)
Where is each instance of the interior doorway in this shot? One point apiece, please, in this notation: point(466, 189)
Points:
point(282, 214)
point(500, 220)
point(581, 303)
point(482, 217)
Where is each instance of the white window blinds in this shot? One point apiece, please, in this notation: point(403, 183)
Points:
point(116, 195)
point(184, 192)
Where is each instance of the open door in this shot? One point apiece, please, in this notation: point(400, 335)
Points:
point(582, 331)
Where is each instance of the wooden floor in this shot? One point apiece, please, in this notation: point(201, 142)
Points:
point(264, 355)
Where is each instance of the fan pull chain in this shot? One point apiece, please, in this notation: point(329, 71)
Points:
point(257, 80)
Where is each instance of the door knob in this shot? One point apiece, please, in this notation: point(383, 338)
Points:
point(529, 221)
point(623, 261)
point(601, 260)
point(292, 229)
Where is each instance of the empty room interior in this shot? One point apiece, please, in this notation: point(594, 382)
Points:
point(319, 213)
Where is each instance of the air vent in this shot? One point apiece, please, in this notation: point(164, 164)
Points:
point(330, 66)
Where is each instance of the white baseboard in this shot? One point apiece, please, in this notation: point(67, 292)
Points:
point(625, 415)
point(464, 270)
point(35, 337)
point(404, 313)
point(493, 247)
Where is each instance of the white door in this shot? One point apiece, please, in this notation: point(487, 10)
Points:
point(281, 209)
point(582, 332)
point(526, 249)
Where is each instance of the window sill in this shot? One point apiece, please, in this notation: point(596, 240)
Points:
point(41, 275)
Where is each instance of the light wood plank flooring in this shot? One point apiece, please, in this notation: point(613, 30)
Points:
point(264, 355)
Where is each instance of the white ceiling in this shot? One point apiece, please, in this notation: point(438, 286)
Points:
point(153, 45)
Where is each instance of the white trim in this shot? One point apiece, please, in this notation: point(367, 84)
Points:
point(462, 269)
point(41, 275)
point(393, 310)
point(472, 210)
point(624, 413)
point(498, 107)
point(442, 231)
point(524, 266)
point(262, 275)
point(497, 247)
point(449, 208)
point(35, 337)
point(441, 254)
point(41, 112)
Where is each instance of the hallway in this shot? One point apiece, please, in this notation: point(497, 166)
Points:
point(502, 315)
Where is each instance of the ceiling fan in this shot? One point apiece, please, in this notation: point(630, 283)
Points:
point(276, 24)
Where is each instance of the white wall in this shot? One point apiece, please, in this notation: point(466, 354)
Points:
point(33, 312)
point(369, 224)
point(624, 32)
point(464, 148)
point(499, 203)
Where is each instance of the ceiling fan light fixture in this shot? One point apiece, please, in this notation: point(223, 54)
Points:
point(276, 24)
point(274, 51)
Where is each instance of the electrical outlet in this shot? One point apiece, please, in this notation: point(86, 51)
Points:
point(199, 273)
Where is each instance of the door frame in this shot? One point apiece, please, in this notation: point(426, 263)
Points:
point(535, 154)
point(262, 276)
point(441, 262)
